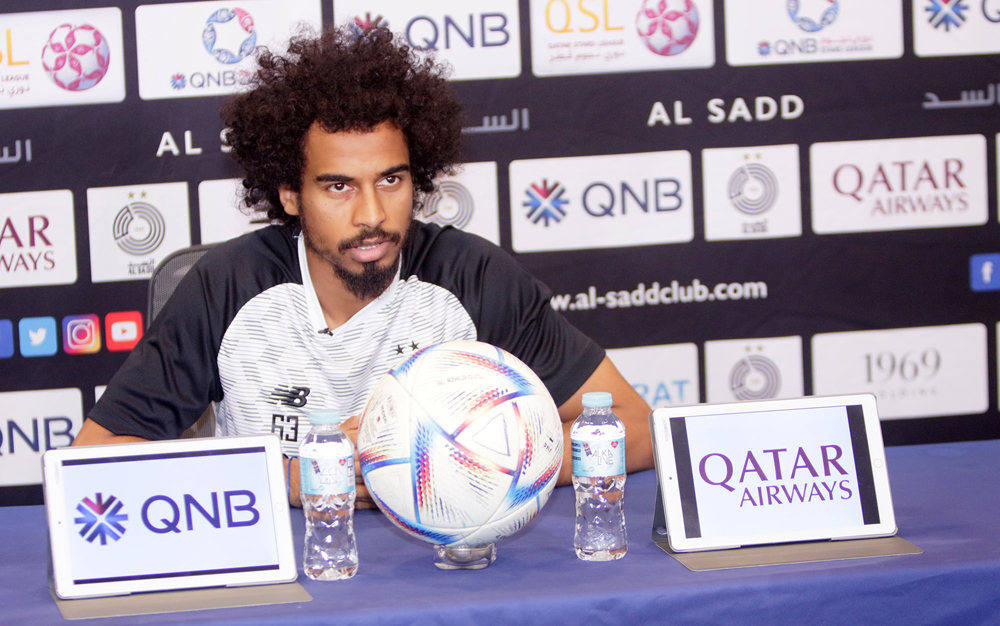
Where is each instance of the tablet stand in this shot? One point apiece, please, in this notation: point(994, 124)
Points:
point(777, 554)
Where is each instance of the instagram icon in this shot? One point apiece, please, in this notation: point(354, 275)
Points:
point(81, 334)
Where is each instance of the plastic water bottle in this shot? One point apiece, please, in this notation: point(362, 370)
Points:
point(598, 440)
point(326, 481)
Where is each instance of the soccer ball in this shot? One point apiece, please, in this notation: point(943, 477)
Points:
point(461, 444)
point(76, 57)
point(667, 27)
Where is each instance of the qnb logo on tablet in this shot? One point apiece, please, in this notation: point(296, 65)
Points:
point(101, 520)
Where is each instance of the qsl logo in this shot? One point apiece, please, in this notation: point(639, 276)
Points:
point(209, 36)
point(545, 202)
point(101, 519)
point(76, 57)
point(667, 27)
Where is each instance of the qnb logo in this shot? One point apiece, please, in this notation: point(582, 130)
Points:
point(755, 377)
point(101, 519)
point(294, 396)
point(545, 202)
point(667, 27)
point(221, 25)
point(424, 33)
point(827, 16)
point(139, 228)
point(991, 13)
point(162, 514)
point(948, 13)
point(450, 205)
point(359, 26)
point(75, 57)
point(753, 189)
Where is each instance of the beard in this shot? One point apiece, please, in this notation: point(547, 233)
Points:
point(373, 279)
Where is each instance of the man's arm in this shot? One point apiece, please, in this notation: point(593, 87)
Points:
point(92, 434)
point(630, 408)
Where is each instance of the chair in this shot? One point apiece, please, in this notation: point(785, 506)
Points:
point(165, 278)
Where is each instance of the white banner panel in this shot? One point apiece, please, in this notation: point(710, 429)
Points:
point(219, 211)
point(134, 227)
point(954, 27)
point(913, 372)
point(768, 32)
point(611, 201)
point(751, 193)
point(603, 36)
point(665, 375)
point(898, 184)
point(468, 201)
point(37, 239)
point(478, 40)
point(191, 49)
point(753, 369)
point(33, 422)
point(61, 58)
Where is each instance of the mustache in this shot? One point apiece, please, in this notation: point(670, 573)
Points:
point(376, 232)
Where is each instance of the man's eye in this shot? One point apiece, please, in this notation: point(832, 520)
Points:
point(391, 180)
point(338, 187)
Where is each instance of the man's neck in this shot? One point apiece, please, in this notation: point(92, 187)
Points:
point(337, 302)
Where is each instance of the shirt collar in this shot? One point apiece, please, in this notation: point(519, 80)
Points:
point(315, 312)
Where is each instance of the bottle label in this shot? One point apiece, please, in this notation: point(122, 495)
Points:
point(595, 457)
point(326, 475)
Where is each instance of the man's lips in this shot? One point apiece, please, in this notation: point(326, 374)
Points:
point(369, 251)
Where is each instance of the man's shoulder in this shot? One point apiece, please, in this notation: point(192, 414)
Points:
point(432, 245)
point(264, 251)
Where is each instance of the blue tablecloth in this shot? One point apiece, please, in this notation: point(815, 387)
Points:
point(947, 500)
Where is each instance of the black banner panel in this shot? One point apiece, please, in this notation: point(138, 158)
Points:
point(739, 200)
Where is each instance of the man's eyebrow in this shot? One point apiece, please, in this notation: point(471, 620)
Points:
point(403, 167)
point(333, 178)
point(343, 178)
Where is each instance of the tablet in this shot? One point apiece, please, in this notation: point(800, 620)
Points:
point(772, 471)
point(167, 515)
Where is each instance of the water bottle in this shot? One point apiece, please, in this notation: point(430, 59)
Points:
point(598, 440)
point(326, 481)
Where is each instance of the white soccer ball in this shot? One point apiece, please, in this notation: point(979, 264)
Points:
point(76, 57)
point(461, 444)
point(667, 27)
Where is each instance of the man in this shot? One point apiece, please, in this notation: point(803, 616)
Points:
point(340, 139)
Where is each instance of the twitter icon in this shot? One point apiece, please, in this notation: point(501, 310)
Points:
point(37, 336)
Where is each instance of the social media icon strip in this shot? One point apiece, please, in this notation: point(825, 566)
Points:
point(37, 336)
point(123, 330)
point(81, 334)
point(984, 272)
point(6, 339)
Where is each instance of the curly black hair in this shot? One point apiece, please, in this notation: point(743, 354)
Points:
point(344, 80)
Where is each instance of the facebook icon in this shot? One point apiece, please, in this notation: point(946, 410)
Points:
point(984, 272)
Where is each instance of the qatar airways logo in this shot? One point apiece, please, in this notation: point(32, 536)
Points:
point(904, 187)
point(779, 476)
point(893, 184)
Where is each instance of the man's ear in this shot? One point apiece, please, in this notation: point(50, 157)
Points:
point(289, 200)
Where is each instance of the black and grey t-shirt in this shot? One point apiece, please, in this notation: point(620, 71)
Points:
point(244, 330)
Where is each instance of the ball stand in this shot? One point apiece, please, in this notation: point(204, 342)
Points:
point(464, 557)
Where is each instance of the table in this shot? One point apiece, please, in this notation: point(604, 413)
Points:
point(947, 502)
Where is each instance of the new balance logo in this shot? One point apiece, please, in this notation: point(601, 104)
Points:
point(294, 396)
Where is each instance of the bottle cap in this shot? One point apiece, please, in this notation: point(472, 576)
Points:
point(597, 399)
point(325, 416)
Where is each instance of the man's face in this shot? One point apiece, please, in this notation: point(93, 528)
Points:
point(356, 204)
